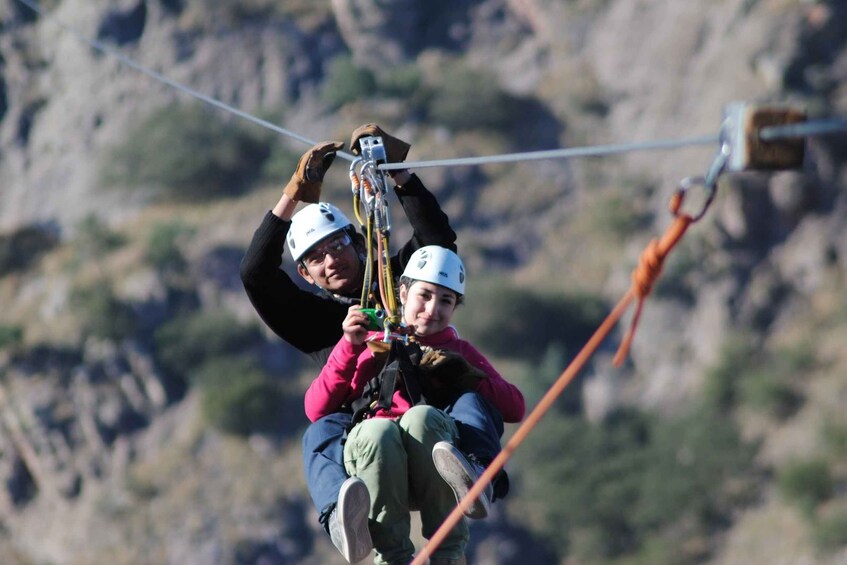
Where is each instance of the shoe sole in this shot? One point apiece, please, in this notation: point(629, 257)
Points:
point(455, 470)
point(354, 506)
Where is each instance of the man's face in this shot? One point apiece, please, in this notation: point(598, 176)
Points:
point(333, 264)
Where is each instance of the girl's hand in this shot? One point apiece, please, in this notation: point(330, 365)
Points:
point(355, 326)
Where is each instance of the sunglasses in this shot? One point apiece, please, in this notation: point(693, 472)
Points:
point(335, 247)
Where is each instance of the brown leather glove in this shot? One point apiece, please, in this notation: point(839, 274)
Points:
point(446, 374)
point(305, 183)
point(395, 149)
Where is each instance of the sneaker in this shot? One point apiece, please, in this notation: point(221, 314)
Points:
point(461, 473)
point(348, 523)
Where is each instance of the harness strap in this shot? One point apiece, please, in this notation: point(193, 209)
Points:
point(402, 362)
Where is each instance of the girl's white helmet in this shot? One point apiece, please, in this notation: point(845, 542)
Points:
point(437, 265)
point(312, 224)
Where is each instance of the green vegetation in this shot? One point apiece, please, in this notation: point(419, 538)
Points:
point(346, 82)
point(164, 245)
point(102, 313)
point(634, 488)
point(10, 335)
point(187, 342)
point(763, 380)
point(402, 82)
point(806, 483)
point(830, 529)
point(237, 396)
point(468, 98)
point(239, 12)
point(95, 239)
point(280, 164)
point(23, 247)
point(505, 320)
point(187, 153)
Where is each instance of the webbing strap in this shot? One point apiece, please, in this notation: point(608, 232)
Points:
point(402, 361)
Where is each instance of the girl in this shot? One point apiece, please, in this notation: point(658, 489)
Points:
point(393, 451)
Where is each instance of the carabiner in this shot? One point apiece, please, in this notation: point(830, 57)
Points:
point(685, 185)
point(709, 184)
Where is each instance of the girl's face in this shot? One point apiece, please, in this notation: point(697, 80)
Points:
point(429, 307)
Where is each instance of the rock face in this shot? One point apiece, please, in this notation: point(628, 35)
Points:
point(52, 130)
point(73, 420)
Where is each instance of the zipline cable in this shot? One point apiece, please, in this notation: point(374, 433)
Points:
point(803, 129)
point(506, 158)
point(103, 48)
point(767, 133)
point(590, 151)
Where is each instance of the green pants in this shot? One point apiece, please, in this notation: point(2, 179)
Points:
point(394, 459)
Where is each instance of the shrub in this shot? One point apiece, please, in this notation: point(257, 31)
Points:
point(280, 164)
point(834, 434)
point(10, 335)
point(760, 379)
point(770, 393)
point(345, 82)
point(830, 530)
point(188, 153)
point(187, 342)
point(103, 315)
point(509, 321)
point(237, 397)
point(21, 248)
point(806, 483)
point(634, 485)
point(94, 238)
point(163, 245)
point(471, 99)
point(402, 82)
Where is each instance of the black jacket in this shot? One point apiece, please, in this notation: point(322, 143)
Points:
point(309, 321)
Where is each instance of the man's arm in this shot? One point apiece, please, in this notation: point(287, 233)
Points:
point(305, 320)
point(309, 322)
point(430, 225)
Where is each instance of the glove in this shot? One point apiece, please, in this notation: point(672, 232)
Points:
point(446, 374)
point(305, 183)
point(395, 149)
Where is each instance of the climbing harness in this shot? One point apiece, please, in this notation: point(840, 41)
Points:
point(401, 368)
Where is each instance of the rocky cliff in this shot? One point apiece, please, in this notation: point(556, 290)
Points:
point(103, 454)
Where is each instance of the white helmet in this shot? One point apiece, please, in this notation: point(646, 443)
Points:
point(437, 265)
point(312, 224)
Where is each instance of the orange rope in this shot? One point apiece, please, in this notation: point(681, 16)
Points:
point(643, 278)
point(645, 275)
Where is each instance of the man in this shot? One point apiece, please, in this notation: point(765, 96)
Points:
point(330, 255)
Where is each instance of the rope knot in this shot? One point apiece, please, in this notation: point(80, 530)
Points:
point(645, 275)
point(649, 268)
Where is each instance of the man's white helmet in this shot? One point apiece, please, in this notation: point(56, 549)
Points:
point(312, 224)
point(437, 265)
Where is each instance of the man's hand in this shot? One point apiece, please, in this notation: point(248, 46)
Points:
point(395, 149)
point(305, 183)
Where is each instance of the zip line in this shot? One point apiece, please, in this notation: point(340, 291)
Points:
point(103, 48)
point(768, 133)
point(739, 147)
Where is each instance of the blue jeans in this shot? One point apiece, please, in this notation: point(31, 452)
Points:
point(480, 427)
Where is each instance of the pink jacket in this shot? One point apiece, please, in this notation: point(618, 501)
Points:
point(349, 368)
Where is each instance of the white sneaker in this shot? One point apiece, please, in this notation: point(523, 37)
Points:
point(461, 474)
point(348, 523)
